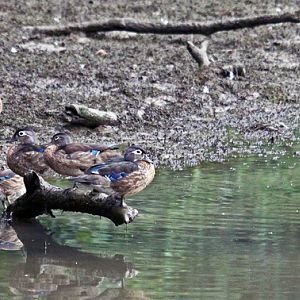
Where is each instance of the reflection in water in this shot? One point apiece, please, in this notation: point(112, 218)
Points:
point(62, 272)
point(221, 231)
point(8, 237)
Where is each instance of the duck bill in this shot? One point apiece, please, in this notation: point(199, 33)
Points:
point(147, 159)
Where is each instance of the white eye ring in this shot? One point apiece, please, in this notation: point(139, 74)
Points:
point(138, 151)
point(21, 133)
point(56, 138)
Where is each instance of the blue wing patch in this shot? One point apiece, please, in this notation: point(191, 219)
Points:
point(3, 178)
point(116, 176)
point(40, 150)
point(95, 152)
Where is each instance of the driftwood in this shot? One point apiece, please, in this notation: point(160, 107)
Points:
point(132, 25)
point(82, 115)
point(41, 197)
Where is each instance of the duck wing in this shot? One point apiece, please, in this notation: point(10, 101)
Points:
point(78, 147)
point(97, 182)
point(6, 174)
point(25, 157)
point(31, 148)
point(113, 170)
point(33, 160)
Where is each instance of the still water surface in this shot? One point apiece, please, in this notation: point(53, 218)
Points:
point(221, 231)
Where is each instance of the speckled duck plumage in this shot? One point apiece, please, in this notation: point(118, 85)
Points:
point(73, 159)
point(27, 155)
point(126, 176)
point(11, 184)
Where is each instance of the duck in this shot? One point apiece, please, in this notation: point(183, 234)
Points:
point(73, 159)
point(123, 176)
point(11, 186)
point(26, 155)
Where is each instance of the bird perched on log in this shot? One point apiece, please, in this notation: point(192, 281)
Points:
point(126, 176)
point(27, 155)
point(11, 186)
point(73, 159)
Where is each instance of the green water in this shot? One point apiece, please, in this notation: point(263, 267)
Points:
point(221, 231)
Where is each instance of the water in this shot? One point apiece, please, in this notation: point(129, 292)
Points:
point(221, 231)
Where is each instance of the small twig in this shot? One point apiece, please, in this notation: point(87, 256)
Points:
point(204, 28)
point(199, 54)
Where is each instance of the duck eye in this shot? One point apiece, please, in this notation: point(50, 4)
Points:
point(138, 151)
point(56, 138)
point(21, 133)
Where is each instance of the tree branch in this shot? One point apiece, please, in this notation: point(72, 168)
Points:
point(41, 197)
point(169, 28)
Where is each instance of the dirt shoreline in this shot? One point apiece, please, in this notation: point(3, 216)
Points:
point(165, 103)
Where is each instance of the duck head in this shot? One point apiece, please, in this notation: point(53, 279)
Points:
point(61, 139)
point(135, 153)
point(25, 135)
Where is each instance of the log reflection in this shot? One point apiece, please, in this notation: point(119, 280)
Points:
point(62, 272)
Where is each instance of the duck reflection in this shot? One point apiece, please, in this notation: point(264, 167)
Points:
point(62, 272)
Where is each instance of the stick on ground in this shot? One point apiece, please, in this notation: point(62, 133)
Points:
point(199, 54)
point(204, 28)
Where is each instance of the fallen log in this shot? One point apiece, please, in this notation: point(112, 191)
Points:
point(204, 28)
point(42, 197)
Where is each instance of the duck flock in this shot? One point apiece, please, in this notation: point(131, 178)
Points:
point(103, 168)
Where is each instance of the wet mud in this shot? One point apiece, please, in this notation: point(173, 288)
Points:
point(182, 114)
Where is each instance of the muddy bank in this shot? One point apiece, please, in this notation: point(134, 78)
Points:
point(182, 115)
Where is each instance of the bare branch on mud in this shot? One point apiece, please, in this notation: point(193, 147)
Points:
point(41, 197)
point(199, 54)
point(204, 28)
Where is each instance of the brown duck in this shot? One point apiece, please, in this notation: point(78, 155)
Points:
point(125, 176)
point(73, 159)
point(27, 155)
point(11, 186)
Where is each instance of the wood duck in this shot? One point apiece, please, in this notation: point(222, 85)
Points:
point(125, 176)
point(27, 155)
point(11, 186)
point(73, 159)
